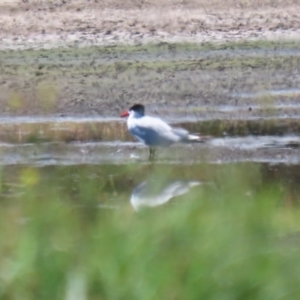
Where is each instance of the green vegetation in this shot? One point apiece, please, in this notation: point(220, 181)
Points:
point(158, 49)
point(69, 130)
point(74, 64)
point(71, 233)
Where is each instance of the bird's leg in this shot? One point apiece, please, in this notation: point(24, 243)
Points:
point(151, 153)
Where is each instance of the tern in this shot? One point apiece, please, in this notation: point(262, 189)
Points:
point(153, 131)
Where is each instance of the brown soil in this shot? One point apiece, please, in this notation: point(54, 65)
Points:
point(44, 24)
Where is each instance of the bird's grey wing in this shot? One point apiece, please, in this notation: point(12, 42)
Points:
point(153, 131)
point(139, 132)
point(154, 124)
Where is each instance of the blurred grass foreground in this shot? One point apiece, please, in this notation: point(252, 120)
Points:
point(69, 232)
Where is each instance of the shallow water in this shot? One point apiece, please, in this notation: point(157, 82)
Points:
point(269, 149)
point(123, 164)
point(116, 186)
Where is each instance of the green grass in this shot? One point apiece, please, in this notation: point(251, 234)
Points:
point(150, 48)
point(224, 240)
point(110, 67)
point(86, 80)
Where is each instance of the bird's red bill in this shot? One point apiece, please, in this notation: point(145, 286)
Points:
point(125, 114)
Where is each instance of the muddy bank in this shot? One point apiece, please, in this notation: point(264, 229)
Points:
point(188, 59)
point(243, 80)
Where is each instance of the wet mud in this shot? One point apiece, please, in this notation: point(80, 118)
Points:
point(178, 81)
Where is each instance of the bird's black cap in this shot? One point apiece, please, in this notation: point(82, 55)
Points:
point(138, 108)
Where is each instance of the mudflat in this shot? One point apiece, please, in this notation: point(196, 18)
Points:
point(188, 57)
point(44, 24)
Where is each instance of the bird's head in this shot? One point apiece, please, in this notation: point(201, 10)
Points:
point(136, 108)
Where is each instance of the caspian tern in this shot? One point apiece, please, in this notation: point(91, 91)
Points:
point(154, 132)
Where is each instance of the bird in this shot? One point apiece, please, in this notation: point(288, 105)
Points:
point(153, 131)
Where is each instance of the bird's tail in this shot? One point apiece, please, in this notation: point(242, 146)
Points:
point(185, 137)
point(192, 138)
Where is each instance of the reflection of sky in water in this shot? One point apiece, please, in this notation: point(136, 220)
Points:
point(152, 193)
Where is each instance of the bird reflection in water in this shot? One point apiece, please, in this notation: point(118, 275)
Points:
point(152, 193)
